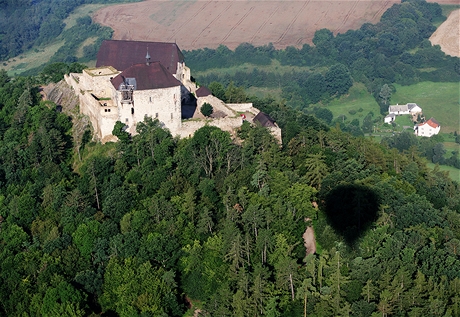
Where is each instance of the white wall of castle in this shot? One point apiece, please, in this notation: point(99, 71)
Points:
point(243, 107)
point(163, 104)
point(184, 76)
point(225, 124)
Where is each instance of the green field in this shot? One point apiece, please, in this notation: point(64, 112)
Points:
point(438, 100)
point(274, 67)
point(454, 173)
point(357, 98)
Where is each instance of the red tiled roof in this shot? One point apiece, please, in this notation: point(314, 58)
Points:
point(264, 120)
point(432, 123)
point(123, 54)
point(151, 76)
point(203, 92)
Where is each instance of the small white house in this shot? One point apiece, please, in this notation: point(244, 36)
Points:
point(410, 108)
point(414, 108)
point(389, 118)
point(427, 128)
point(399, 110)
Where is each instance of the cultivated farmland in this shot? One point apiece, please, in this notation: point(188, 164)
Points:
point(448, 35)
point(198, 24)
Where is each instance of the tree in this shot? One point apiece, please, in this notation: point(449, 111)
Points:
point(317, 169)
point(235, 94)
point(119, 131)
point(385, 94)
point(206, 109)
point(324, 114)
point(321, 36)
point(131, 288)
point(304, 291)
point(217, 90)
point(338, 80)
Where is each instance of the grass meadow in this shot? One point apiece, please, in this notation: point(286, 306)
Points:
point(358, 98)
point(453, 172)
point(438, 100)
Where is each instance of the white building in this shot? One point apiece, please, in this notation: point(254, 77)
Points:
point(427, 128)
point(410, 108)
point(399, 110)
point(389, 118)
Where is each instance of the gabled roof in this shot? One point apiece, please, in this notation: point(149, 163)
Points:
point(146, 77)
point(397, 108)
point(431, 122)
point(123, 54)
point(203, 92)
point(264, 120)
point(411, 105)
point(391, 115)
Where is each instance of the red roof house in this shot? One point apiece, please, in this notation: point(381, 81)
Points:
point(427, 128)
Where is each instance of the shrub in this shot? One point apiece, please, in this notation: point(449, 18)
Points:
point(206, 109)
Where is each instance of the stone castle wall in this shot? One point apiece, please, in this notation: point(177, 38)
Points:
point(163, 104)
point(243, 107)
point(225, 124)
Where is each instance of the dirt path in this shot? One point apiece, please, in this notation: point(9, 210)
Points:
point(309, 240)
point(448, 35)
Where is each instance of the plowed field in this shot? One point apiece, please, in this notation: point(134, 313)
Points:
point(448, 35)
point(198, 24)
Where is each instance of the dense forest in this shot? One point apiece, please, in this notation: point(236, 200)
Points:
point(153, 224)
point(159, 226)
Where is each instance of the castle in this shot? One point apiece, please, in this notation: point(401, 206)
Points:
point(134, 79)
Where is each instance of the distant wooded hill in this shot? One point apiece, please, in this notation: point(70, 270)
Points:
point(30, 23)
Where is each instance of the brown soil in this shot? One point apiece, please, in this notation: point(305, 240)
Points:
point(448, 35)
point(198, 24)
point(309, 240)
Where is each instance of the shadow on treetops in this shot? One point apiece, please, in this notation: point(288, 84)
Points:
point(351, 210)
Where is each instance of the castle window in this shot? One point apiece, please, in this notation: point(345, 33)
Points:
point(156, 115)
point(126, 120)
point(150, 99)
point(132, 110)
point(108, 110)
point(171, 116)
